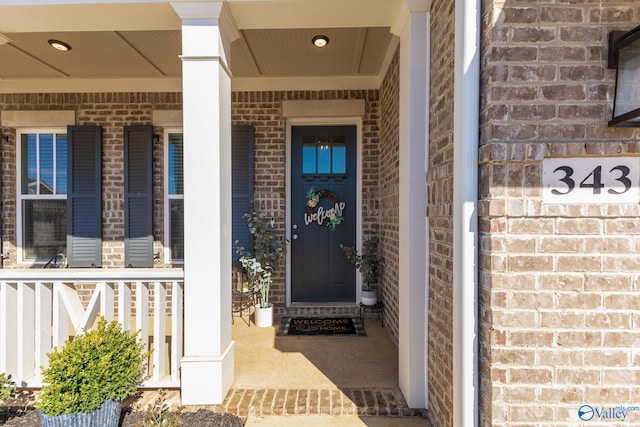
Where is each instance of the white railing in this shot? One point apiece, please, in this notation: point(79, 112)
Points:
point(40, 309)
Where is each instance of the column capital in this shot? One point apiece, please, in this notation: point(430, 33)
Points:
point(188, 10)
point(419, 5)
point(407, 7)
point(208, 11)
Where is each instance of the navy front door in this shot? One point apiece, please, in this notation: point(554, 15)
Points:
point(323, 213)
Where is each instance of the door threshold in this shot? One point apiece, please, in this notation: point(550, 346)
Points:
point(323, 304)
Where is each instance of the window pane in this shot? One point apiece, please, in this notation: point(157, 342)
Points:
point(45, 228)
point(46, 163)
point(324, 155)
point(29, 163)
point(339, 153)
point(176, 214)
point(176, 175)
point(308, 155)
point(61, 164)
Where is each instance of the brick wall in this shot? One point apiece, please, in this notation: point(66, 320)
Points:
point(389, 193)
point(557, 282)
point(112, 111)
point(262, 110)
point(440, 197)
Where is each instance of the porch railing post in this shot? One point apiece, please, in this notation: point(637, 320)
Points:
point(8, 332)
point(26, 331)
point(44, 333)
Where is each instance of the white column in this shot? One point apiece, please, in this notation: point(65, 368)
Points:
point(413, 203)
point(466, 95)
point(207, 365)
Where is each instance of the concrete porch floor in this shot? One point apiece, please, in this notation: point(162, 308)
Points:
point(323, 381)
point(307, 381)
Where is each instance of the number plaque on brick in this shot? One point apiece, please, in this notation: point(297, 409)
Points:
point(591, 180)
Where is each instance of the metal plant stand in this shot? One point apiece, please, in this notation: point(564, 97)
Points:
point(378, 308)
point(249, 294)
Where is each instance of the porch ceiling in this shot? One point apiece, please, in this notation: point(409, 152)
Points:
point(110, 42)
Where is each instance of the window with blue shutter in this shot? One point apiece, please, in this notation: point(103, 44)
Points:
point(84, 196)
point(138, 196)
point(242, 186)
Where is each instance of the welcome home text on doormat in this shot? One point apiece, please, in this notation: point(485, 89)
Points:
point(349, 326)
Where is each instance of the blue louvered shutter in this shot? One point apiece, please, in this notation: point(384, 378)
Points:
point(138, 197)
point(84, 196)
point(242, 185)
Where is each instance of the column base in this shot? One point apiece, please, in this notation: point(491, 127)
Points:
point(206, 379)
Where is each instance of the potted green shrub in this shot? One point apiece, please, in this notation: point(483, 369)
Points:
point(368, 264)
point(88, 378)
point(268, 249)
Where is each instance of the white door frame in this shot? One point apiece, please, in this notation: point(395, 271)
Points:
point(322, 121)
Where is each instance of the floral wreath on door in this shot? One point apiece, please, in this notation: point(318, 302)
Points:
point(330, 218)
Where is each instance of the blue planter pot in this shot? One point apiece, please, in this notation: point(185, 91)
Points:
point(106, 415)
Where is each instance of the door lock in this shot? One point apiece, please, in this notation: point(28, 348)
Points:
point(294, 237)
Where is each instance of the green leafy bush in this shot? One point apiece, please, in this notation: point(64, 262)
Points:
point(101, 364)
point(7, 388)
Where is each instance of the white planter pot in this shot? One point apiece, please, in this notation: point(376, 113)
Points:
point(264, 316)
point(369, 297)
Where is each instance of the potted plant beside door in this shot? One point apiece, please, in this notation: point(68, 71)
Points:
point(368, 263)
point(268, 249)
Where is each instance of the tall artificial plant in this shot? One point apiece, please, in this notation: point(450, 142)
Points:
point(368, 262)
point(268, 249)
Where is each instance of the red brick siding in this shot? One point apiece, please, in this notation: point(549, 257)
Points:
point(440, 212)
point(112, 111)
point(389, 193)
point(557, 282)
point(262, 110)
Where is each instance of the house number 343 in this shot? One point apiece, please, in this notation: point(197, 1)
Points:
point(591, 180)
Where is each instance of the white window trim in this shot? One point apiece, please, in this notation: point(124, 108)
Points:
point(20, 260)
point(167, 220)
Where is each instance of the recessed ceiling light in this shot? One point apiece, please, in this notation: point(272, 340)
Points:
point(320, 40)
point(57, 44)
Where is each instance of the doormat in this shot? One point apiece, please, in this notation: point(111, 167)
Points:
point(342, 326)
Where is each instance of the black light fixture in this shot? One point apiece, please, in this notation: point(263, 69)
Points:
point(58, 45)
point(320, 40)
point(624, 55)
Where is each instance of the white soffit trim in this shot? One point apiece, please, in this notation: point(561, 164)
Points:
point(71, 85)
point(167, 118)
point(248, 84)
point(21, 119)
point(324, 108)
